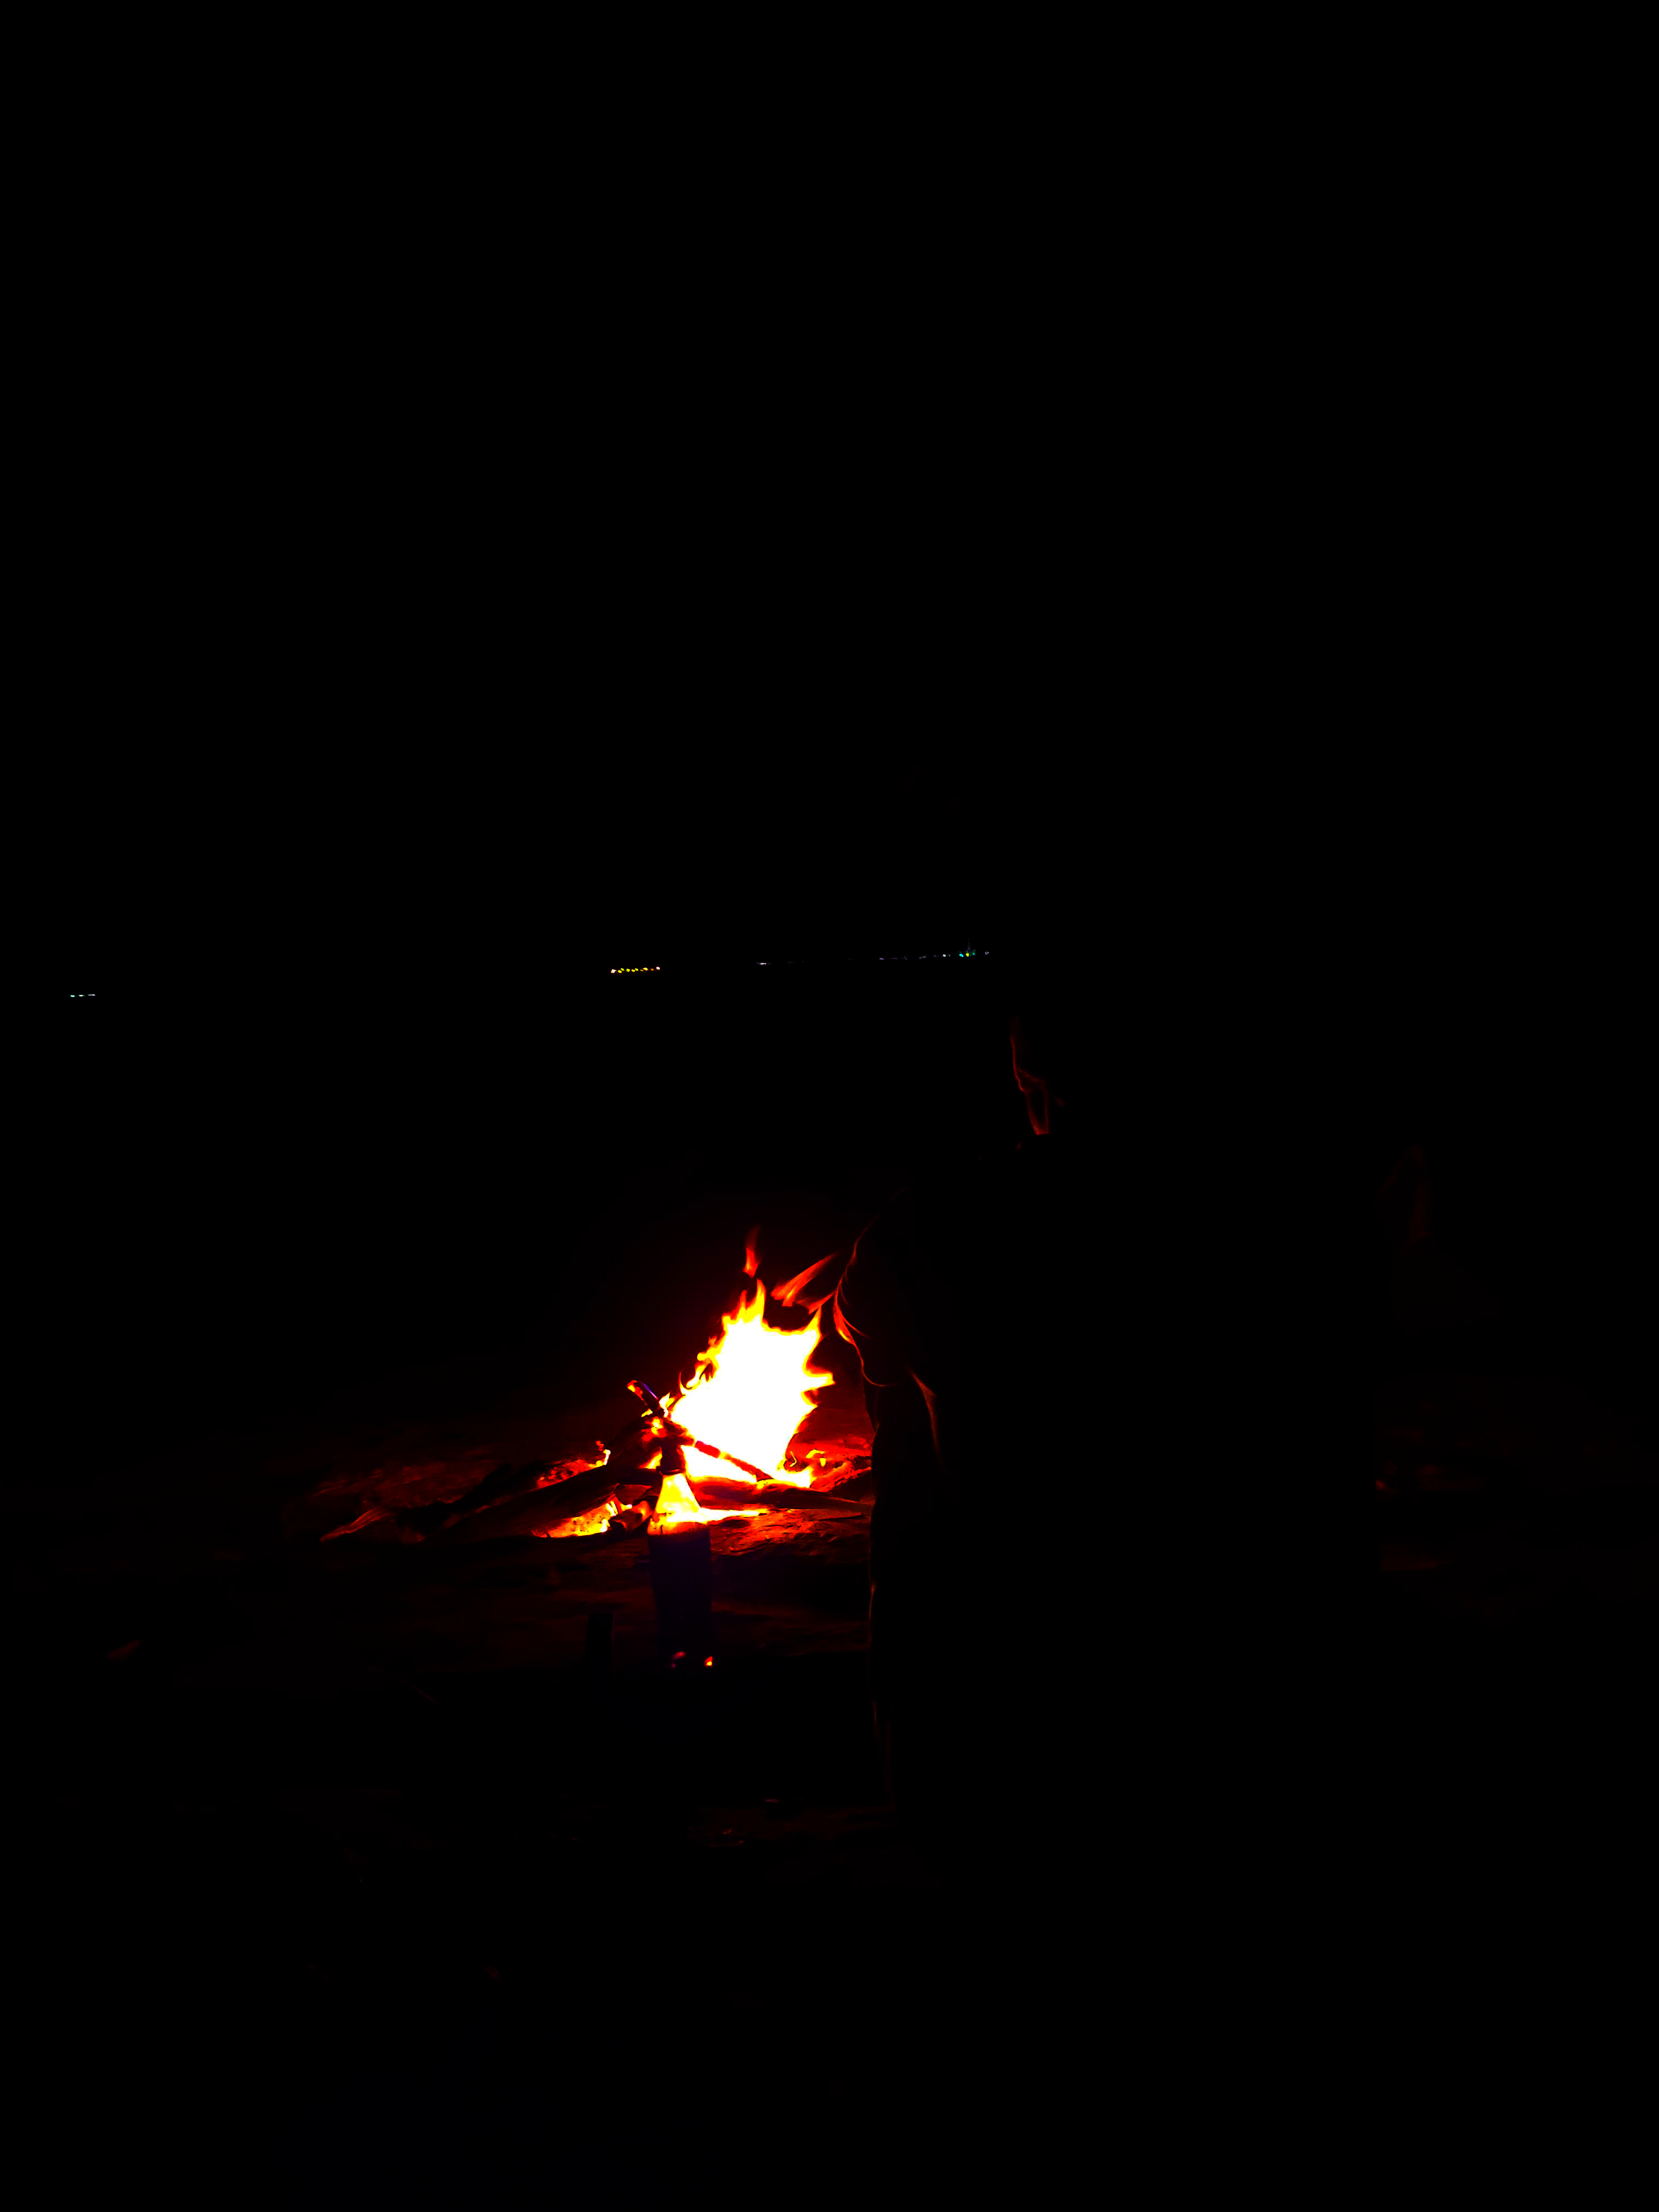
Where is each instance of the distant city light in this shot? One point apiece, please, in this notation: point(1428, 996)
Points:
point(969, 952)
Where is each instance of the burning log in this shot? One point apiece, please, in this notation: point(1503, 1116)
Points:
point(537, 1511)
point(712, 1490)
point(417, 1522)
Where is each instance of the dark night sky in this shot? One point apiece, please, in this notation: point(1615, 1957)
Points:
point(363, 1093)
point(358, 1090)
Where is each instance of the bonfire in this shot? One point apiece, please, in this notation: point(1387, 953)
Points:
point(719, 1447)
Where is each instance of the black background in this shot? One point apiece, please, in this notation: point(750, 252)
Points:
point(338, 1110)
point(358, 1094)
point(278, 1196)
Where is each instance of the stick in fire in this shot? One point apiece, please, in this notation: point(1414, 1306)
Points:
point(648, 1397)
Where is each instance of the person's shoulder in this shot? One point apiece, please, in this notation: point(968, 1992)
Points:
point(908, 1226)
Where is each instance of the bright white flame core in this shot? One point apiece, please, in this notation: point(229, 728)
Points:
point(752, 1390)
point(677, 1508)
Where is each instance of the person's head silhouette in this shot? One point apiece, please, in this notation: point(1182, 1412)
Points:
point(1050, 1030)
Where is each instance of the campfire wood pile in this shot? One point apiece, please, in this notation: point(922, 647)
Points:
point(570, 1501)
point(557, 1498)
point(724, 1452)
point(675, 1464)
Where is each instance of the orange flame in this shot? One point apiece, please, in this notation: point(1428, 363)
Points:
point(794, 1291)
point(753, 1388)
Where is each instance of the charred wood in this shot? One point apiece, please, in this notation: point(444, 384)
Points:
point(714, 1490)
point(536, 1511)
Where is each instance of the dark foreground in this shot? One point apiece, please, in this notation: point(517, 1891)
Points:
point(367, 1873)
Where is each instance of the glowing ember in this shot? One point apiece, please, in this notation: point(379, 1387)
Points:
point(588, 1524)
point(753, 1388)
